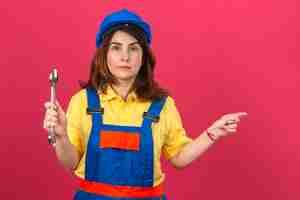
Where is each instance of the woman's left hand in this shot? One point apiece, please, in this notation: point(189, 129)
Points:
point(226, 125)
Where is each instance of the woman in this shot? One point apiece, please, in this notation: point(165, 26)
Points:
point(118, 125)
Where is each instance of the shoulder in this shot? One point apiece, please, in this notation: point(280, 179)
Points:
point(169, 105)
point(79, 98)
point(170, 100)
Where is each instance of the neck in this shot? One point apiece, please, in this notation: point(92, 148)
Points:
point(123, 88)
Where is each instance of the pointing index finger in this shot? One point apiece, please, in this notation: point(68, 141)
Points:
point(241, 114)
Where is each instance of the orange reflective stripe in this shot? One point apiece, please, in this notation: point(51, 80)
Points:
point(121, 191)
point(121, 140)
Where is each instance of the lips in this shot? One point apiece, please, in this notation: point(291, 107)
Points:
point(125, 67)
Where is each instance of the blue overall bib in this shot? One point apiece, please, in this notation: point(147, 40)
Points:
point(117, 167)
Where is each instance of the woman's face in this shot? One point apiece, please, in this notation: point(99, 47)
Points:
point(124, 56)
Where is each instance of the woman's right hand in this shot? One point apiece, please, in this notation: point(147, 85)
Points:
point(55, 117)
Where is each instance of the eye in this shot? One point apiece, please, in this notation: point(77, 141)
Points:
point(115, 47)
point(134, 48)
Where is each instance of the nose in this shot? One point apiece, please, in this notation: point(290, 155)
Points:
point(125, 55)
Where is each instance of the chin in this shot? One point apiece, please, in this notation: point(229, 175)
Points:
point(125, 78)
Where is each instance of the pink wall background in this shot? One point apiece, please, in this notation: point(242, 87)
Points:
point(215, 57)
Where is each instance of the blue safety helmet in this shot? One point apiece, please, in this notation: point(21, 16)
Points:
point(122, 17)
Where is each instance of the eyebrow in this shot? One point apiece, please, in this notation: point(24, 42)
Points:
point(118, 43)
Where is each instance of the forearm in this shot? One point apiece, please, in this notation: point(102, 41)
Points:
point(192, 151)
point(66, 153)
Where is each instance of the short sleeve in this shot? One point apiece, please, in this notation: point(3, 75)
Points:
point(176, 137)
point(74, 113)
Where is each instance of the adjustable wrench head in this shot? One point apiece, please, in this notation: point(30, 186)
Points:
point(53, 78)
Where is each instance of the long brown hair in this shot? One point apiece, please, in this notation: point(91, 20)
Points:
point(145, 86)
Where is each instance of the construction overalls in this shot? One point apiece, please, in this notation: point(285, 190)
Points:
point(119, 160)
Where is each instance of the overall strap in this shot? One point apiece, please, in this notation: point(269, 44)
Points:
point(95, 110)
point(152, 115)
point(94, 107)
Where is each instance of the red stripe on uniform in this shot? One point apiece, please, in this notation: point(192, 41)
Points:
point(121, 191)
point(121, 140)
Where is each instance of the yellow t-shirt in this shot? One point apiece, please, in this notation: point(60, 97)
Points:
point(169, 136)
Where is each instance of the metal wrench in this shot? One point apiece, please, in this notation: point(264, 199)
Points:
point(53, 78)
